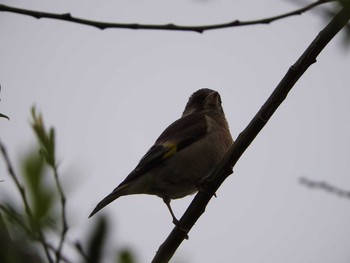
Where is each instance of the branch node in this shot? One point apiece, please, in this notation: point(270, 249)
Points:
point(264, 120)
point(67, 16)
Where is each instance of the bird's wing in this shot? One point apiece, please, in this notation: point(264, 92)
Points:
point(179, 135)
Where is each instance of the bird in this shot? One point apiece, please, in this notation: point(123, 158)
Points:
point(183, 156)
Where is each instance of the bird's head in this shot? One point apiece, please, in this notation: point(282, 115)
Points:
point(203, 100)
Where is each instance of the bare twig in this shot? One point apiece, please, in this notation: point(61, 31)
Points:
point(54, 250)
point(197, 207)
point(80, 249)
point(199, 29)
point(25, 201)
point(63, 215)
point(325, 186)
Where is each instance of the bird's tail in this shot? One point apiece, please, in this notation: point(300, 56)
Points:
point(105, 201)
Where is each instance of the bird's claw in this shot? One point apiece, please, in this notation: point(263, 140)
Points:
point(177, 224)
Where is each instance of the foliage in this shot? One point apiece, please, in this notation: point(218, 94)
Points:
point(38, 216)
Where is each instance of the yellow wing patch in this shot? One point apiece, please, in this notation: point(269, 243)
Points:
point(171, 150)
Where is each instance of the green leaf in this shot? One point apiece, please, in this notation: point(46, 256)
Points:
point(51, 147)
point(40, 192)
point(46, 139)
point(16, 218)
point(20, 249)
point(125, 256)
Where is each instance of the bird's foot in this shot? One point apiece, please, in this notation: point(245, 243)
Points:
point(177, 224)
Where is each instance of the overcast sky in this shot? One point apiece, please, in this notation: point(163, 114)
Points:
point(110, 93)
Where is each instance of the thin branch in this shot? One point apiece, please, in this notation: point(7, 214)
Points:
point(63, 214)
point(29, 232)
point(245, 138)
point(56, 251)
point(80, 249)
point(325, 186)
point(15, 220)
point(25, 201)
point(4, 233)
point(199, 29)
point(6, 237)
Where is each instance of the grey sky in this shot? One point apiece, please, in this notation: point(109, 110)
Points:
point(110, 93)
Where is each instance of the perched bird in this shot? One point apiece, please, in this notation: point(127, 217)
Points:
point(183, 156)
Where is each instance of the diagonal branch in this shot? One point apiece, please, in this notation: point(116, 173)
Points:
point(197, 207)
point(199, 29)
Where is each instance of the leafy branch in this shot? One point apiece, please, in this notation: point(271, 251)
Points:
point(47, 142)
point(199, 29)
point(37, 226)
point(47, 149)
point(245, 138)
point(40, 213)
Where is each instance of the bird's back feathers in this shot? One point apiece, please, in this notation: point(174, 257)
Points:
point(179, 135)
